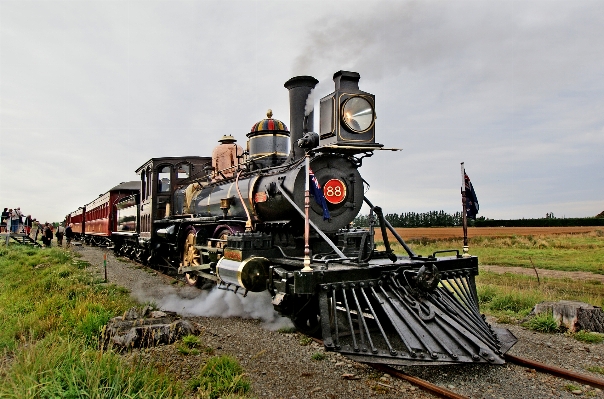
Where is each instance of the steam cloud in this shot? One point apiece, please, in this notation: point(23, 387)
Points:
point(216, 303)
point(310, 102)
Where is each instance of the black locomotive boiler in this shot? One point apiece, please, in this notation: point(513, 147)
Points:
point(276, 216)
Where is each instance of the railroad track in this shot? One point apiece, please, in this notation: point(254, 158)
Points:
point(521, 361)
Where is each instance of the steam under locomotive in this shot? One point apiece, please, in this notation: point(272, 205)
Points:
point(276, 216)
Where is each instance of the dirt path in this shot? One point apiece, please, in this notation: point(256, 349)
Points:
point(544, 272)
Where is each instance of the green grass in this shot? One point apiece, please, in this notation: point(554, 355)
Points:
point(221, 376)
point(318, 356)
point(511, 297)
point(595, 369)
point(589, 337)
point(572, 387)
point(567, 252)
point(305, 340)
point(51, 313)
point(189, 345)
point(45, 291)
point(59, 367)
point(544, 322)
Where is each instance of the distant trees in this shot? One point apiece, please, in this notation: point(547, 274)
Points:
point(443, 219)
point(416, 219)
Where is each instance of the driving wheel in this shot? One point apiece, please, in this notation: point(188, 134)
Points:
point(191, 257)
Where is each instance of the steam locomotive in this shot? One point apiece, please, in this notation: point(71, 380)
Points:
point(276, 216)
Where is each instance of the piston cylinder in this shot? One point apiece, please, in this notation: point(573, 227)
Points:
point(251, 274)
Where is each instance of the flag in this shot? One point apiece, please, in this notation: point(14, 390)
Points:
point(471, 199)
point(315, 190)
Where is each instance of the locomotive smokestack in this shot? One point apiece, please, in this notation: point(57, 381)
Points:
point(299, 88)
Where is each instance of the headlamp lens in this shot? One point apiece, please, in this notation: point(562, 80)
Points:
point(358, 114)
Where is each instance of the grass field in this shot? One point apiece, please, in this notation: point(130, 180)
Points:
point(457, 232)
point(51, 313)
point(567, 249)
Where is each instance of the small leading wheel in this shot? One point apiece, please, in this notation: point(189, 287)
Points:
point(307, 318)
point(191, 257)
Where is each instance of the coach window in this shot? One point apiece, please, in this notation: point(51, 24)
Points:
point(143, 185)
point(163, 179)
point(183, 171)
point(148, 182)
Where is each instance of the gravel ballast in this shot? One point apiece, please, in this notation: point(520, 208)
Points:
point(281, 365)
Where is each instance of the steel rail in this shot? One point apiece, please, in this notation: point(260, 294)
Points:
point(557, 371)
point(432, 388)
point(428, 386)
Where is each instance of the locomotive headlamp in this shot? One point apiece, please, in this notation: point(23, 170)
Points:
point(358, 114)
point(348, 116)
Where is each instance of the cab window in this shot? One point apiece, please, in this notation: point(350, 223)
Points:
point(163, 180)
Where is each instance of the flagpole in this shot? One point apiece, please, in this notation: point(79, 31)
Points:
point(464, 212)
point(307, 267)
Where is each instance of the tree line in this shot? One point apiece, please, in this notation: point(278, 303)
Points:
point(443, 219)
point(416, 219)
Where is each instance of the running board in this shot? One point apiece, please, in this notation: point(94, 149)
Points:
point(399, 319)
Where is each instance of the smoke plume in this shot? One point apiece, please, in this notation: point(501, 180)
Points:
point(188, 301)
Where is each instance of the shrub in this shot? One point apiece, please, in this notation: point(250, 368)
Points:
point(189, 344)
point(191, 341)
point(305, 340)
point(219, 377)
point(544, 322)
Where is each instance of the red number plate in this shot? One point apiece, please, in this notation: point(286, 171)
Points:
point(334, 191)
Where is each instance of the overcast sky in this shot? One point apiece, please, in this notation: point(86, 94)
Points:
point(90, 90)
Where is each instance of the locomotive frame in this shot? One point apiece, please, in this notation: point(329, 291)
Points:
point(240, 219)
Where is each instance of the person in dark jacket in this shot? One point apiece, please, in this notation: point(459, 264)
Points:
point(27, 224)
point(68, 235)
point(47, 238)
point(5, 217)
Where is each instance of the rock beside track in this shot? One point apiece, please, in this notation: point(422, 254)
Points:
point(145, 329)
point(281, 365)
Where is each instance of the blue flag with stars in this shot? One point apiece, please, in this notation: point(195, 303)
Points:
point(315, 190)
point(471, 199)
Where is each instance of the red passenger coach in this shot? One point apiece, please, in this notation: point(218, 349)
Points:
point(100, 215)
point(76, 219)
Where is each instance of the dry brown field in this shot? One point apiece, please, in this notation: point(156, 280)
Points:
point(457, 232)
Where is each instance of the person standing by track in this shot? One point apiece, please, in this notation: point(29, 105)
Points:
point(47, 237)
point(59, 234)
point(3, 222)
point(15, 216)
point(35, 229)
point(27, 225)
point(68, 235)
